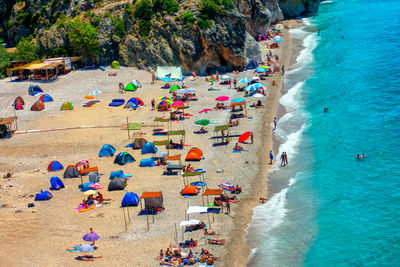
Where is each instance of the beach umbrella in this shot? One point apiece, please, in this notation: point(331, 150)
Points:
point(203, 122)
point(81, 162)
point(177, 104)
point(181, 91)
point(227, 186)
point(259, 85)
point(190, 90)
point(85, 247)
point(250, 88)
point(222, 98)
point(90, 192)
point(164, 103)
point(205, 110)
point(255, 78)
point(95, 92)
point(89, 96)
point(245, 80)
point(96, 186)
point(166, 79)
point(173, 88)
point(239, 101)
point(258, 95)
point(200, 170)
point(165, 98)
point(225, 77)
point(261, 70)
point(90, 237)
point(162, 154)
point(198, 183)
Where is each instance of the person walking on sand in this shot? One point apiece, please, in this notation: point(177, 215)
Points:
point(153, 78)
point(234, 83)
point(228, 207)
point(121, 88)
point(153, 104)
point(217, 76)
point(275, 123)
point(251, 137)
point(283, 69)
point(271, 157)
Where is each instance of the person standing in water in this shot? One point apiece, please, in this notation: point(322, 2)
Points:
point(271, 157)
point(285, 158)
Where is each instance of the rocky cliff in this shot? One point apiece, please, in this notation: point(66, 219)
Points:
point(226, 42)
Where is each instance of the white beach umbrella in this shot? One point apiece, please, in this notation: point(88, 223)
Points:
point(255, 78)
point(225, 77)
point(258, 95)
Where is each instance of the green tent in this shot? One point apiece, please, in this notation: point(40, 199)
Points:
point(173, 88)
point(67, 106)
point(130, 87)
point(115, 65)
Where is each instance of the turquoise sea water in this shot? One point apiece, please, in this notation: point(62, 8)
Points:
point(331, 209)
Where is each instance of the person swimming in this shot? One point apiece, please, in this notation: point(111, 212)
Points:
point(360, 156)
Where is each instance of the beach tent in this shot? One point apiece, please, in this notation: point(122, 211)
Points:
point(107, 151)
point(152, 200)
point(149, 148)
point(116, 174)
point(37, 106)
point(18, 106)
point(34, 89)
point(194, 154)
point(135, 100)
point(244, 137)
point(115, 65)
point(117, 184)
point(131, 105)
point(67, 106)
point(94, 177)
point(147, 163)
point(252, 64)
point(139, 143)
point(71, 172)
point(190, 190)
point(43, 195)
point(54, 166)
point(130, 87)
point(19, 100)
point(124, 158)
point(172, 72)
point(130, 199)
point(136, 83)
point(46, 98)
point(56, 183)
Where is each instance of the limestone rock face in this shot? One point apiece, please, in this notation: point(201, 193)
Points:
point(294, 8)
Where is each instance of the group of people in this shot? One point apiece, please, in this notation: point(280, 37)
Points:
point(284, 160)
point(91, 200)
point(220, 106)
point(175, 117)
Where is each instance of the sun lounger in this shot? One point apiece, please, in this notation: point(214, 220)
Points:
point(175, 167)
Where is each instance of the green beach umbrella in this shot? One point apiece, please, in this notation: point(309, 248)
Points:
point(203, 122)
point(173, 88)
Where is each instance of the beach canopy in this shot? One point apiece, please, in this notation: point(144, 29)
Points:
point(203, 122)
point(34, 89)
point(245, 80)
point(56, 183)
point(19, 100)
point(170, 72)
point(196, 209)
point(139, 143)
point(250, 88)
point(244, 137)
point(149, 148)
point(37, 106)
point(71, 172)
point(190, 222)
point(130, 87)
point(135, 100)
point(147, 163)
point(222, 98)
point(54, 166)
point(124, 158)
point(43, 195)
point(67, 106)
point(190, 190)
point(107, 151)
point(165, 98)
point(194, 154)
point(227, 186)
point(152, 200)
point(117, 184)
point(238, 101)
point(46, 98)
point(130, 199)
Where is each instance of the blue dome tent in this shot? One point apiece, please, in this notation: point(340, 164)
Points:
point(107, 150)
point(124, 158)
point(46, 98)
point(149, 148)
point(34, 89)
point(43, 195)
point(147, 163)
point(130, 199)
point(54, 166)
point(56, 183)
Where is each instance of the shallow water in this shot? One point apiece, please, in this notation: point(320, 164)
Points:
point(334, 209)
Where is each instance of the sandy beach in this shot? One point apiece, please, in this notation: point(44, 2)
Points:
point(41, 235)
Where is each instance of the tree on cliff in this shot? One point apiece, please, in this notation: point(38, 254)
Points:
point(4, 61)
point(83, 38)
point(26, 50)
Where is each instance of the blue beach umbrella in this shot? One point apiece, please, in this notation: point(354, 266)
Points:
point(166, 79)
point(261, 70)
point(85, 248)
point(250, 88)
point(245, 80)
point(238, 100)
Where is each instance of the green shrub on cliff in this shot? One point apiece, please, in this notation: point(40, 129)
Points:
point(144, 10)
point(169, 6)
point(83, 38)
point(210, 9)
point(26, 50)
point(188, 17)
point(144, 28)
point(204, 23)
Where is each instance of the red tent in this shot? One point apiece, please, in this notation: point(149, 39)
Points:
point(19, 106)
point(190, 190)
point(194, 154)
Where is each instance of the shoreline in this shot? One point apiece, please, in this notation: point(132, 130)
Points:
point(238, 248)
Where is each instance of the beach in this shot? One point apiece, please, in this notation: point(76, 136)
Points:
point(41, 235)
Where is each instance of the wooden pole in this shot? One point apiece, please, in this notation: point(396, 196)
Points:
point(129, 218)
point(147, 219)
point(176, 234)
point(127, 126)
point(209, 222)
point(126, 227)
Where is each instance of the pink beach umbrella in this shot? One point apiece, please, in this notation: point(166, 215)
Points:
point(96, 186)
point(177, 104)
point(205, 110)
point(222, 98)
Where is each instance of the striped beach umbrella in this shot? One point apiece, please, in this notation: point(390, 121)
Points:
point(245, 80)
point(165, 102)
point(165, 98)
point(227, 186)
point(96, 186)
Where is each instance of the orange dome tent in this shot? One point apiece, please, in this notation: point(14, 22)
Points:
point(194, 154)
point(190, 190)
point(37, 106)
